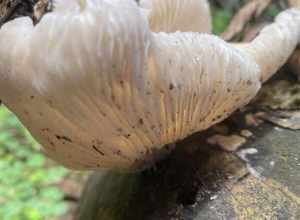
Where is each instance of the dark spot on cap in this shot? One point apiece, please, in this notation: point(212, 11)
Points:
point(141, 121)
point(118, 106)
point(171, 86)
point(97, 150)
point(63, 138)
point(118, 152)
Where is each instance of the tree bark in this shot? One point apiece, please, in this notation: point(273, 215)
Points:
point(201, 182)
point(11, 9)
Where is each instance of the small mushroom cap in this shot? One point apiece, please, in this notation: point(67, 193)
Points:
point(178, 15)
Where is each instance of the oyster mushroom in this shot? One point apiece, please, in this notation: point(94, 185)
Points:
point(98, 89)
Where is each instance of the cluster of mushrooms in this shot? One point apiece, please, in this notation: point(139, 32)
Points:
point(110, 83)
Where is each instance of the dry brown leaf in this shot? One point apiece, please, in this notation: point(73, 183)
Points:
point(294, 3)
point(253, 31)
point(254, 8)
point(252, 120)
point(228, 143)
point(40, 8)
point(246, 133)
point(290, 119)
point(6, 9)
point(294, 63)
point(279, 95)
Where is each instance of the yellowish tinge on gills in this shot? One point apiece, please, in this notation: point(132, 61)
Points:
point(82, 4)
point(100, 89)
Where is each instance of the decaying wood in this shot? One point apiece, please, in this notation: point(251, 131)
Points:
point(285, 119)
point(40, 8)
point(228, 143)
point(10, 9)
point(199, 182)
point(294, 63)
point(7, 8)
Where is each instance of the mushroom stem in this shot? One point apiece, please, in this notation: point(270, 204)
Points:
point(276, 42)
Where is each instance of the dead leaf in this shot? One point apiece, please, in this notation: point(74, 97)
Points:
point(253, 8)
point(221, 128)
point(253, 31)
point(279, 95)
point(246, 133)
point(228, 143)
point(294, 63)
point(285, 119)
point(40, 8)
point(252, 120)
point(294, 3)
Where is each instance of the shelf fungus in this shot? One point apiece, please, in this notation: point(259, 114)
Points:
point(98, 88)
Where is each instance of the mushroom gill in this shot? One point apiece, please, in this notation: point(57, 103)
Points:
point(99, 89)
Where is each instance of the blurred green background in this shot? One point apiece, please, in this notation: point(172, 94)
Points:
point(28, 181)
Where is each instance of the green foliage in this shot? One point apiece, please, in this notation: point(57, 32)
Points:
point(272, 11)
point(221, 19)
point(27, 179)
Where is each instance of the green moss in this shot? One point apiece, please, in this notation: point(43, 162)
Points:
point(27, 190)
point(221, 19)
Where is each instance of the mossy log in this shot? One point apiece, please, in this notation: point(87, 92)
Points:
point(202, 182)
point(199, 181)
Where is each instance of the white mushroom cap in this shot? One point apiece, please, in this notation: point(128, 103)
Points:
point(178, 15)
point(275, 43)
point(98, 89)
point(73, 78)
